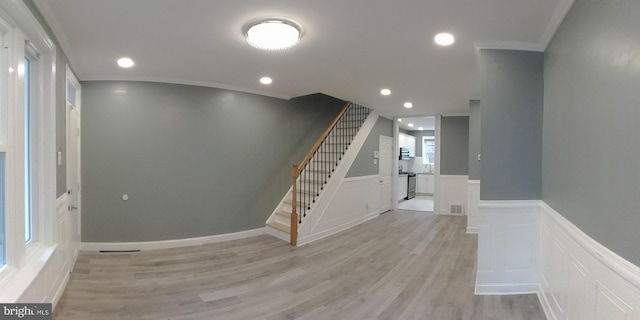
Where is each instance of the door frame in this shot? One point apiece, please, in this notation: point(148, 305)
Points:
point(73, 245)
point(388, 206)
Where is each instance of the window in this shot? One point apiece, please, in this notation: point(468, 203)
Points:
point(27, 147)
point(3, 231)
point(28, 181)
point(3, 147)
point(428, 150)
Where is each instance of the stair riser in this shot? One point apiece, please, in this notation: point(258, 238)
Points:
point(284, 220)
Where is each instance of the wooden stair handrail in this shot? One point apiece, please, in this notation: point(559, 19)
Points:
point(297, 169)
point(312, 151)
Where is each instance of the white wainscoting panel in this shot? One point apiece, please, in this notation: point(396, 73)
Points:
point(451, 190)
point(473, 199)
point(507, 247)
point(52, 276)
point(579, 278)
point(356, 201)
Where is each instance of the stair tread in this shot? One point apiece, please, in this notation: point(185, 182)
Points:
point(280, 226)
point(284, 213)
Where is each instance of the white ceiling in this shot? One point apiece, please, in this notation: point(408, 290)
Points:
point(350, 49)
point(426, 123)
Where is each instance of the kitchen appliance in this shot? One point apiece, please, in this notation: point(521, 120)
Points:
point(404, 153)
point(411, 185)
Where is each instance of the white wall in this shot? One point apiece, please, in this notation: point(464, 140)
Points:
point(507, 247)
point(356, 201)
point(473, 200)
point(450, 190)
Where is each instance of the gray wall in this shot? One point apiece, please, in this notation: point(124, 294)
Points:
point(454, 145)
point(590, 167)
point(419, 135)
point(363, 164)
point(194, 161)
point(474, 139)
point(511, 98)
point(61, 95)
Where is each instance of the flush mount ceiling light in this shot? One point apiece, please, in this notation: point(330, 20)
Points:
point(272, 34)
point(385, 92)
point(408, 105)
point(444, 39)
point(410, 125)
point(266, 80)
point(125, 62)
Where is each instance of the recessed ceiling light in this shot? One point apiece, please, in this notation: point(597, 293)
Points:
point(385, 92)
point(410, 125)
point(399, 120)
point(125, 62)
point(444, 39)
point(408, 105)
point(420, 128)
point(266, 80)
point(273, 34)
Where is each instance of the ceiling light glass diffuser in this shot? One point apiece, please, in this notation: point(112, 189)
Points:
point(125, 62)
point(385, 92)
point(444, 39)
point(408, 105)
point(266, 80)
point(273, 34)
point(410, 125)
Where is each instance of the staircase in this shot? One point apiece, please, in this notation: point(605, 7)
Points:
point(311, 176)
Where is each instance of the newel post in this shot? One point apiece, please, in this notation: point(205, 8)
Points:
point(295, 172)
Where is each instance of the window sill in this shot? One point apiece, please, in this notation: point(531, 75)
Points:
point(17, 280)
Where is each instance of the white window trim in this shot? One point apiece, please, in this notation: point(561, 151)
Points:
point(24, 262)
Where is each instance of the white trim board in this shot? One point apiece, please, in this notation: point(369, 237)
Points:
point(473, 200)
point(166, 244)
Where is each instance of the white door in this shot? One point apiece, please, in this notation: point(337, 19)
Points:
point(73, 168)
point(385, 145)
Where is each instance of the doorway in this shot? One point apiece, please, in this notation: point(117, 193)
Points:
point(418, 135)
point(73, 168)
point(385, 148)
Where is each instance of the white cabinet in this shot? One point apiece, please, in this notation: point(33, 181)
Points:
point(409, 142)
point(402, 186)
point(424, 183)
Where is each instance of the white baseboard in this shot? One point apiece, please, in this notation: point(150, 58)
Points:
point(505, 289)
point(60, 290)
point(166, 244)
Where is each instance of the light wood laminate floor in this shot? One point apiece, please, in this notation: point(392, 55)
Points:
point(401, 265)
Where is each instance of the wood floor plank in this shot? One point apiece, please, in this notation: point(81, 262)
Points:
point(401, 265)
